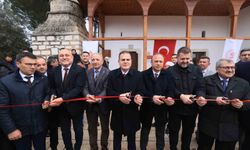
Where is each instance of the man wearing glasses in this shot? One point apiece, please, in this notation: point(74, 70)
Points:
point(218, 118)
point(26, 125)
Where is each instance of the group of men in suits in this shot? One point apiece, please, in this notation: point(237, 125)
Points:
point(178, 93)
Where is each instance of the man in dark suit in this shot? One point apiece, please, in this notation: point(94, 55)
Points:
point(67, 82)
point(96, 86)
point(157, 83)
point(218, 120)
point(188, 82)
point(124, 82)
point(242, 71)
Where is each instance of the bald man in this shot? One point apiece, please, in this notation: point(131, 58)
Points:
point(96, 86)
point(158, 83)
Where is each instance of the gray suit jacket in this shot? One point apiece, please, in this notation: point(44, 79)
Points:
point(98, 87)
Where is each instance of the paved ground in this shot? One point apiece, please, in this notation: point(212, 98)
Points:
point(151, 144)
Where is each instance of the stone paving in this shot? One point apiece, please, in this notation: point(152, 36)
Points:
point(151, 143)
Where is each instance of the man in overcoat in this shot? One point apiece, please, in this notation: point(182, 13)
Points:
point(218, 119)
point(125, 83)
point(158, 84)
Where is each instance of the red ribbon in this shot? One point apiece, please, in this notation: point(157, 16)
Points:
point(85, 98)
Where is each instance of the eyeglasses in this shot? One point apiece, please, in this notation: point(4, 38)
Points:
point(227, 67)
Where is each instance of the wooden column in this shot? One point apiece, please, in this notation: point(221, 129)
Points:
point(235, 6)
point(145, 4)
point(90, 27)
point(188, 30)
point(190, 4)
point(92, 5)
point(102, 27)
point(145, 41)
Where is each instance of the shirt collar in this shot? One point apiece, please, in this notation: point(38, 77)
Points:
point(23, 76)
point(62, 68)
point(158, 73)
point(124, 73)
point(97, 69)
point(223, 78)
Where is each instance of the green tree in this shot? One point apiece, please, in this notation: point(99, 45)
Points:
point(35, 10)
point(18, 19)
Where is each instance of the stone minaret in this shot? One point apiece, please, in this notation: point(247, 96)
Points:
point(64, 28)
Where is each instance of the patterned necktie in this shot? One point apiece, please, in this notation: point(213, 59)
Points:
point(28, 80)
point(224, 84)
point(96, 74)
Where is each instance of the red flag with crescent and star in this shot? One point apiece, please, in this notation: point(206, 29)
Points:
point(165, 47)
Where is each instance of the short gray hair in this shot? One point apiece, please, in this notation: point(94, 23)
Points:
point(219, 62)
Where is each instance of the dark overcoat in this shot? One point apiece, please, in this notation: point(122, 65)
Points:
point(125, 117)
point(221, 122)
point(163, 86)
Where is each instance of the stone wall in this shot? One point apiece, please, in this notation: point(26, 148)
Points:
point(46, 45)
point(64, 28)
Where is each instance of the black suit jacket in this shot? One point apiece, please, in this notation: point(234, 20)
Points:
point(163, 85)
point(73, 89)
point(125, 117)
point(221, 122)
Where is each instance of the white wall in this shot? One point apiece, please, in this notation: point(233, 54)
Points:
point(172, 26)
point(244, 26)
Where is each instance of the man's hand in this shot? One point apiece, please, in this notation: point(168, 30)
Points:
point(169, 101)
point(45, 104)
point(125, 98)
point(236, 103)
point(138, 99)
point(201, 101)
point(91, 98)
point(221, 101)
point(186, 99)
point(15, 135)
point(56, 102)
point(157, 99)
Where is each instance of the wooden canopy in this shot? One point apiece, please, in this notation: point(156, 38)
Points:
point(161, 7)
point(145, 8)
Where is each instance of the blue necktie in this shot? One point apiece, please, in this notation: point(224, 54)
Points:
point(224, 85)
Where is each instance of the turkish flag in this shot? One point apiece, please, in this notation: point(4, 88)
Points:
point(165, 47)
